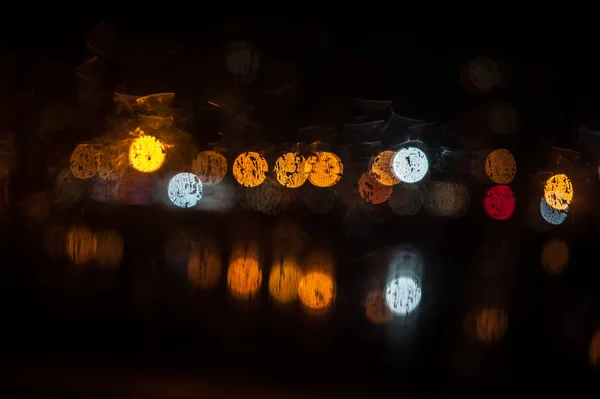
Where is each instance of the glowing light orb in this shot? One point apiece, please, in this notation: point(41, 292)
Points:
point(108, 163)
point(83, 162)
point(80, 245)
point(284, 280)
point(551, 215)
point(555, 256)
point(204, 266)
point(291, 170)
point(326, 169)
point(316, 290)
point(266, 198)
point(447, 199)
point(499, 202)
point(244, 276)
point(500, 166)
point(210, 167)
point(147, 154)
point(491, 324)
point(402, 295)
point(558, 192)
point(381, 167)
point(376, 309)
point(371, 190)
point(109, 248)
point(185, 190)
point(594, 351)
point(250, 169)
point(410, 165)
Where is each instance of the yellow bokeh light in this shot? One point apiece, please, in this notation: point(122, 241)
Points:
point(555, 256)
point(210, 167)
point(381, 168)
point(80, 245)
point(491, 324)
point(83, 161)
point(326, 169)
point(558, 192)
point(316, 290)
point(204, 266)
point(371, 190)
point(244, 276)
point(147, 154)
point(284, 279)
point(250, 169)
point(291, 170)
point(500, 166)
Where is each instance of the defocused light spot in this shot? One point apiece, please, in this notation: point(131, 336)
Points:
point(447, 199)
point(316, 290)
point(326, 169)
point(491, 324)
point(220, 197)
point(382, 168)
point(284, 280)
point(371, 190)
point(146, 154)
point(481, 74)
point(109, 248)
point(210, 167)
point(291, 170)
point(499, 202)
point(555, 256)
point(410, 165)
point(250, 168)
point(83, 161)
point(402, 295)
point(558, 192)
point(185, 190)
point(265, 198)
point(244, 276)
point(204, 265)
point(104, 190)
point(406, 200)
point(80, 245)
point(318, 200)
point(500, 166)
point(594, 351)
point(108, 158)
point(376, 309)
point(551, 215)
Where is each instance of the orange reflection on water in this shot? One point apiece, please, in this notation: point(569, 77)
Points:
point(244, 276)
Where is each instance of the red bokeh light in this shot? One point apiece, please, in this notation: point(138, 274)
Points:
point(499, 202)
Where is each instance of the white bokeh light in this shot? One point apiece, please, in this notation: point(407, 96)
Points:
point(185, 190)
point(402, 295)
point(551, 215)
point(410, 165)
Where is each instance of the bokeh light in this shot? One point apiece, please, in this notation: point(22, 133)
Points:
point(499, 202)
point(371, 190)
point(210, 167)
point(381, 167)
point(594, 350)
point(326, 169)
point(403, 295)
point(558, 192)
point(376, 308)
point(316, 290)
point(284, 280)
point(291, 170)
point(184, 190)
point(250, 169)
point(552, 215)
point(146, 154)
point(555, 256)
point(83, 161)
point(244, 276)
point(266, 198)
point(80, 245)
point(204, 265)
point(406, 200)
point(491, 324)
point(410, 165)
point(447, 199)
point(500, 166)
point(109, 248)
